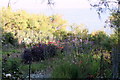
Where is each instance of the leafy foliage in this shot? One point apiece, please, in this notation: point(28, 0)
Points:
point(7, 38)
point(30, 28)
point(11, 66)
point(75, 67)
point(105, 5)
point(115, 20)
point(66, 70)
point(101, 39)
point(33, 29)
point(41, 52)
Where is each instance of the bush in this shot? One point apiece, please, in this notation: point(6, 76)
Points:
point(39, 52)
point(66, 70)
point(27, 56)
point(23, 25)
point(88, 65)
point(83, 66)
point(10, 69)
point(51, 50)
point(101, 40)
point(7, 38)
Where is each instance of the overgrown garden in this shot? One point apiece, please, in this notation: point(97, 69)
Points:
point(52, 49)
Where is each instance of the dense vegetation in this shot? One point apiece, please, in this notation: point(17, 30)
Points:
point(45, 42)
point(30, 28)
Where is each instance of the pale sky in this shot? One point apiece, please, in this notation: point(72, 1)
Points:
point(38, 4)
point(90, 18)
point(42, 4)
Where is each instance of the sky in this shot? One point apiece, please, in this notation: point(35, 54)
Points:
point(25, 4)
point(38, 6)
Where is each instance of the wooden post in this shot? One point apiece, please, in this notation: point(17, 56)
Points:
point(29, 69)
point(29, 63)
point(101, 66)
point(115, 65)
point(115, 61)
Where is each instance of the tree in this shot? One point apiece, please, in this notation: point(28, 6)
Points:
point(114, 8)
point(103, 5)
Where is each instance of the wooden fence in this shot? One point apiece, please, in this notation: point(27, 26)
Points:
point(116, 63)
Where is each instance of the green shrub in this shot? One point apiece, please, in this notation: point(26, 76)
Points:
point(88, 65)
point(10, 51)
point(37, 67)
point(7, 38)
point(66, 70)
point(83, 66)
point(34, 68)
point(101, 40)
point(11, 66)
